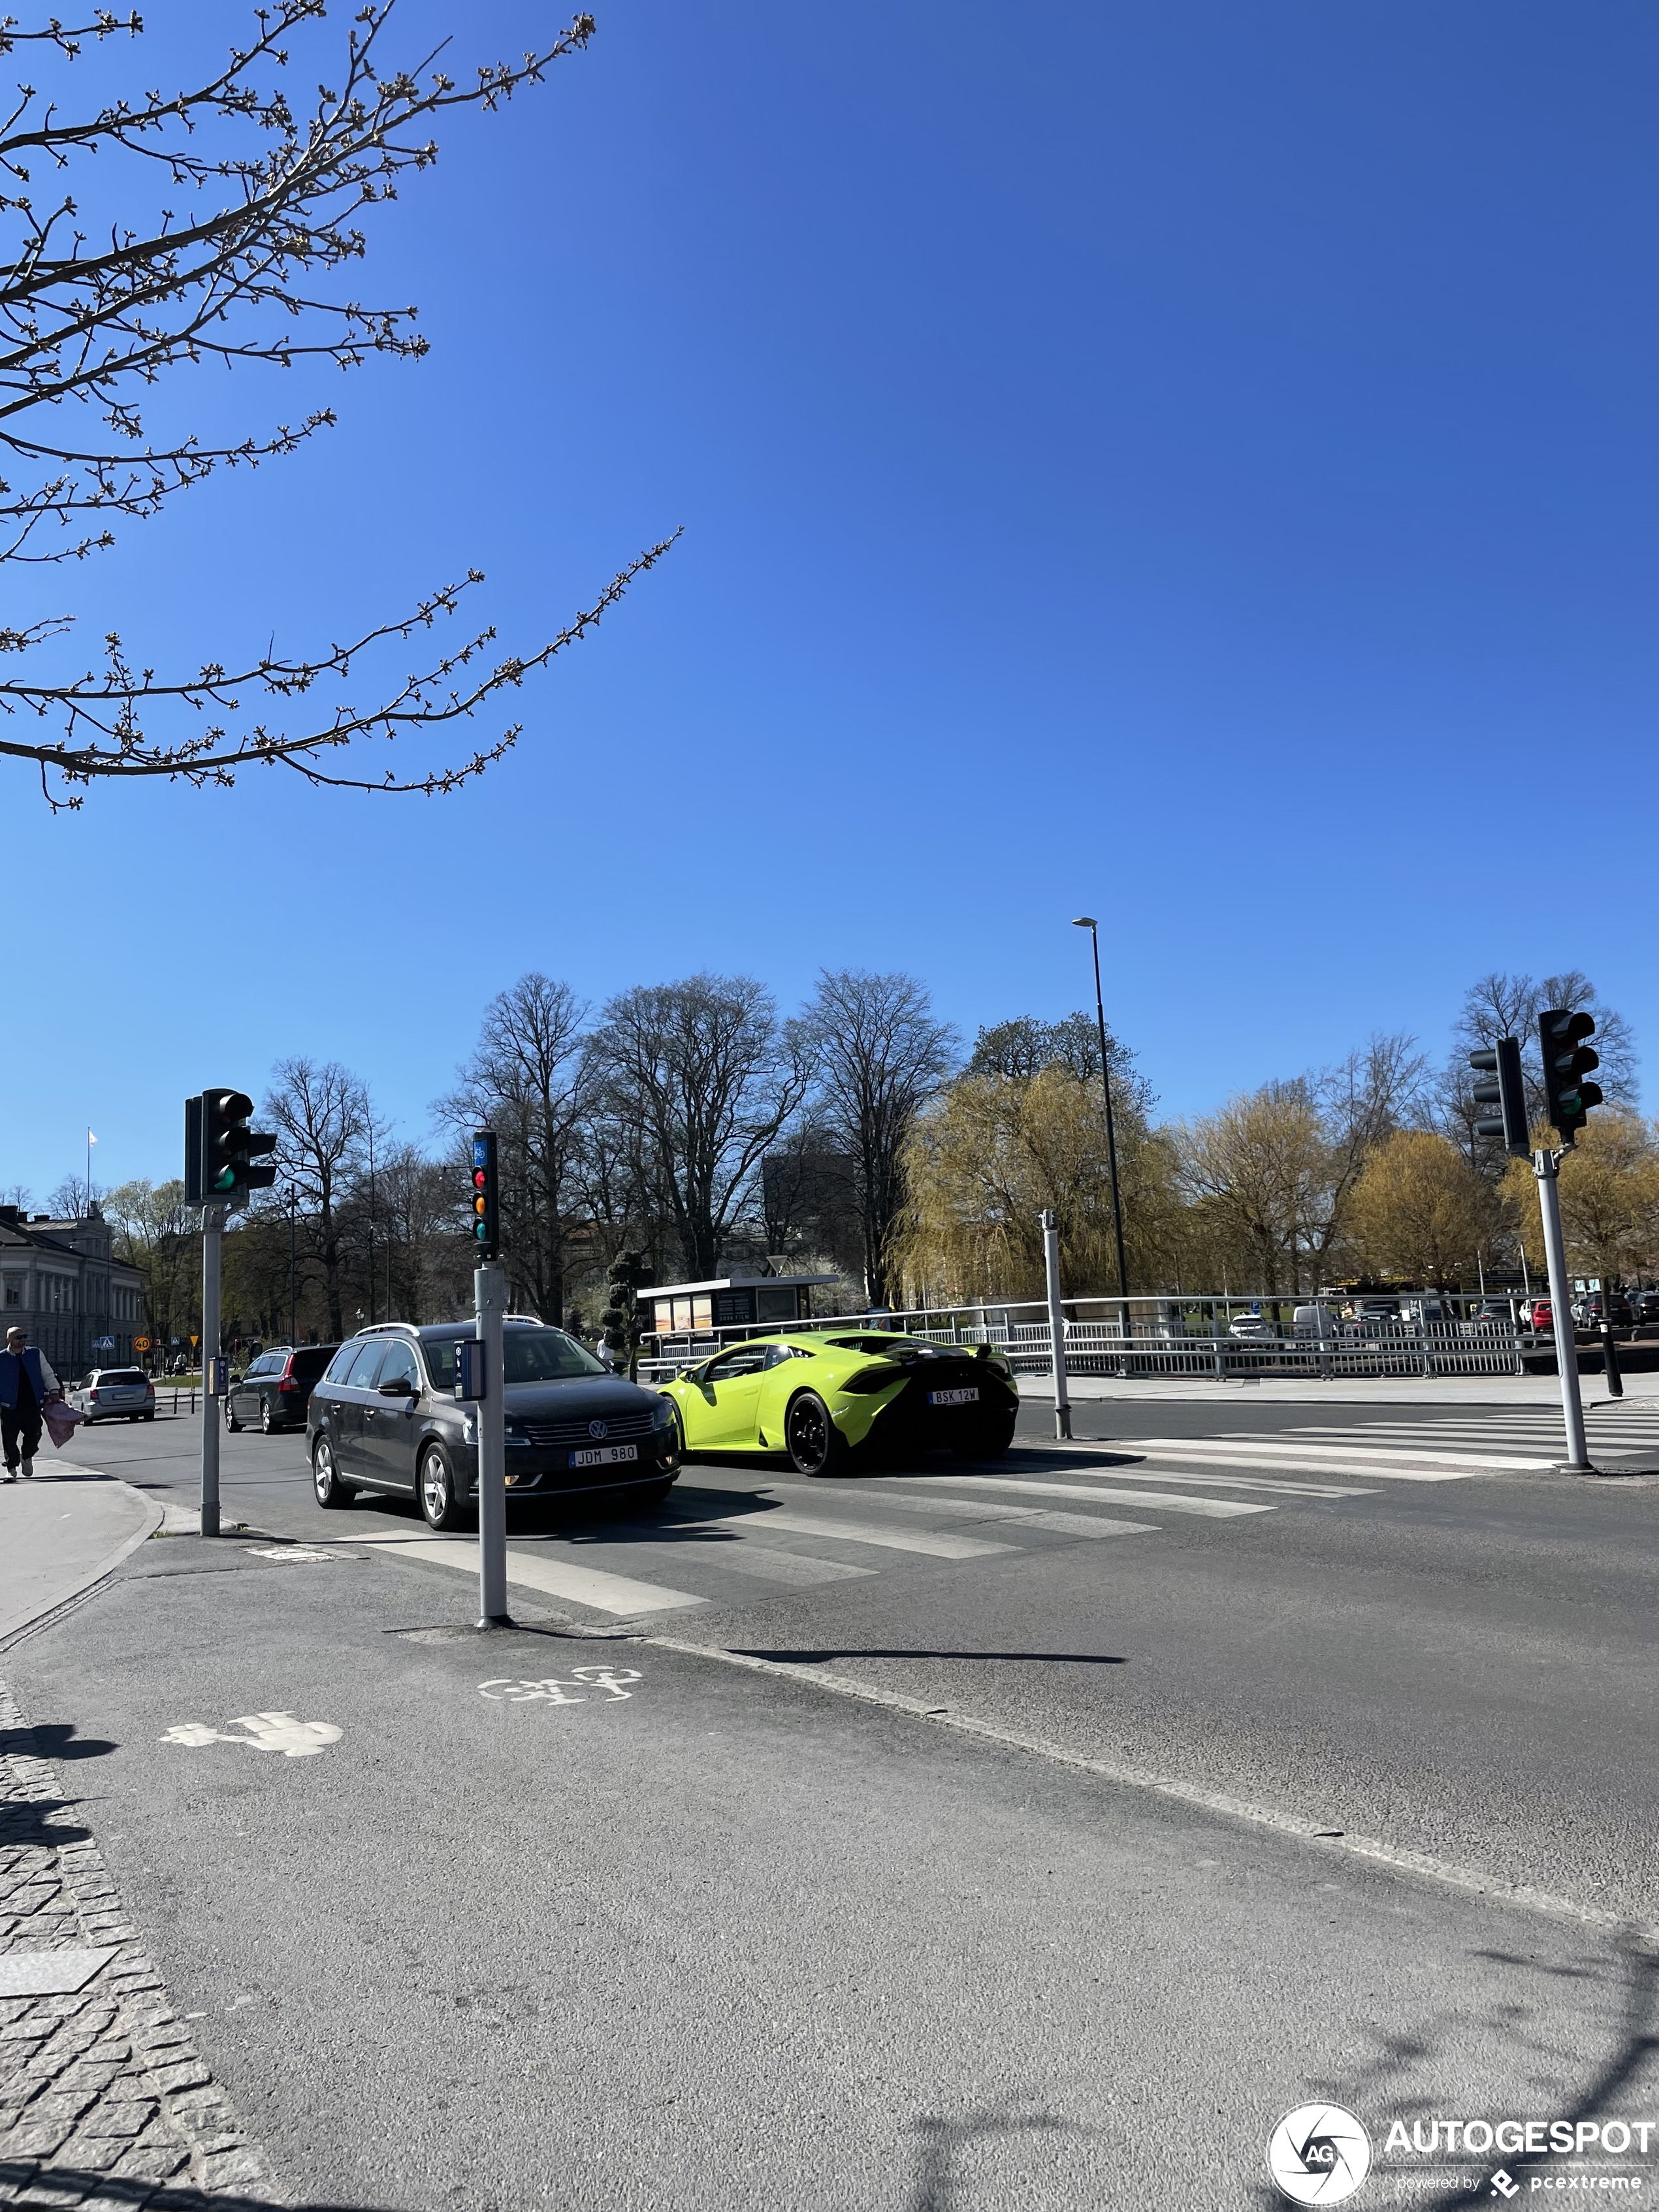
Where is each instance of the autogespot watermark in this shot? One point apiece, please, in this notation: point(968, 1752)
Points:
point(1323, 2154)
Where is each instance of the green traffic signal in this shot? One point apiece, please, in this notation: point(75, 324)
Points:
point(1567, 1060)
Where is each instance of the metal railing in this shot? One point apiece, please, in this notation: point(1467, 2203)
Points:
point(1416, 1333)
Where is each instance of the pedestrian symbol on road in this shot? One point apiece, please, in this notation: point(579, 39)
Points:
point(265, 1732)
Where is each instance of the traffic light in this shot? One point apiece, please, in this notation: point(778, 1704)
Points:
point(1567, 1060)
point(1507, 1092)
point(220, 1148)
point(486, 1196)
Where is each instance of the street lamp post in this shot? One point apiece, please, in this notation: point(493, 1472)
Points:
point(1087, 921)
point(292, 1263)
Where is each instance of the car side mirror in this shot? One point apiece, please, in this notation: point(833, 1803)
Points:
point(401, 1388)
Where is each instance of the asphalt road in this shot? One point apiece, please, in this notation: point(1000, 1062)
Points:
point(1048, 1863)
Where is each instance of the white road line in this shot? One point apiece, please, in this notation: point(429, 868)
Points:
point(556, 1578)
point(1331, 1456)
point(1222, 1481)
point(1217, 1508)
point(1503, 1432)
point(799, 1569)
point(1088, 1524)
point(938, 1547)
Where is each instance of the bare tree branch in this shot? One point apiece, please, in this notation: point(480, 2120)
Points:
point(279, 188)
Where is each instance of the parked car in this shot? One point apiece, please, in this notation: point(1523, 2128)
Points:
point(1253, 1329)
point(277, 1388)
point(1587, 1311)
point(114, 1394)
point(384, 1416)
point(1380, 1316)
point(1488, 1315)
point(1540, 1317)
point(1644, 1305)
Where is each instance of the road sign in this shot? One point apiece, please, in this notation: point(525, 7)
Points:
point(103, 1344)
point(194, 1341)
point(142, 1343)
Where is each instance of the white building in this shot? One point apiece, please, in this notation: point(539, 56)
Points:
point(60, 1282)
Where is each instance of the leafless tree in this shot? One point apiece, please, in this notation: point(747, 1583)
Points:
point(1380, 1088)
point(96, 309)
point(69, 1201)
point(157, 1233)
point(323, 1119)
point(427, 1261)
point(529, 1081)
point(1021, 1048)
point(702, 1073)
point(877, 1055)
point(1508, 1006)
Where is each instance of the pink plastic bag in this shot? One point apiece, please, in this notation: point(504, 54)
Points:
point(61, 1421)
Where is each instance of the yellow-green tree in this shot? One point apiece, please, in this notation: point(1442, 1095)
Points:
point(1421, 1211)
point(994, 1153)
point(1609, 1186)
point(1258, 1173)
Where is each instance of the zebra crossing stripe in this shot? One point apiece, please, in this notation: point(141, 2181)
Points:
point(935, 1544)
point(1378, 1457)
point(554, 1578)
point(1217, 1508)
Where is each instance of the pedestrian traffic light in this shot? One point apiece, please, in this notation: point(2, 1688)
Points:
point(221, 1149)
point(1567, 1060)
point(1507, 1092)
point(486, 1196)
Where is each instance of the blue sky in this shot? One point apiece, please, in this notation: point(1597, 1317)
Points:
point(1194, 464)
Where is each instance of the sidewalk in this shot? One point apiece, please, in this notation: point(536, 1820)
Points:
point(104, 2102)
point(65, 1530)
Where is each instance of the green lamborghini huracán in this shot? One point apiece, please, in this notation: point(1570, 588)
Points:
point(829, 1398)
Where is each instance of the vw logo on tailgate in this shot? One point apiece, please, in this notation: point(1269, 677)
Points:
point(598, 1428)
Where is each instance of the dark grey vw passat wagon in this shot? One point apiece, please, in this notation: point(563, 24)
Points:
point(385, 1417)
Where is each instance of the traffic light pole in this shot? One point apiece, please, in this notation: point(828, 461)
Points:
point(1056, 1323)
point(1566, 1348)
point(489, 1297)
point(213, 1222)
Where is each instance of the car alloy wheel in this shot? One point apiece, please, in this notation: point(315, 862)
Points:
point(326, 1477)
point(816, 1446)
point(267, 1426)
point(231, 1421)
point(437, 1485)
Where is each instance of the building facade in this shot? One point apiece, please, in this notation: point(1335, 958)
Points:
point(61, 1283)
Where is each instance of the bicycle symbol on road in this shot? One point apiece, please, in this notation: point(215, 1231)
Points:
point(265, 1732)
point(552, 1692)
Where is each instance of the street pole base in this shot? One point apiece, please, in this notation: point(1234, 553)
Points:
point(1063, 1423)
point(495, 1620)
point(1568, 1468)
point(210, 1517)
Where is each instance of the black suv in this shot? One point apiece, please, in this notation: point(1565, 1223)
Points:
point(277, 1388)
point(386, 1416)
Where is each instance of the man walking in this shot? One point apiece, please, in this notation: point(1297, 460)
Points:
point(26, 1382)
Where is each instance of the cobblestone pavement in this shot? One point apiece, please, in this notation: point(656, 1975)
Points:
point(104, 2101)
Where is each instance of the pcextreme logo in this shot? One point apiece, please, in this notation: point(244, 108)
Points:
point(1318, 2154)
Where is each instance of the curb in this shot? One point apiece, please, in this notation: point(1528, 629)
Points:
point(94, 1576)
